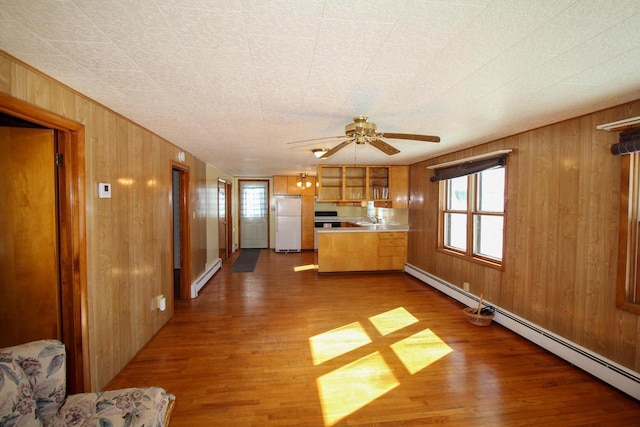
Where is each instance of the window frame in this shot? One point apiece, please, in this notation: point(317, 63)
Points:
point(472, 212)
point(628, 280)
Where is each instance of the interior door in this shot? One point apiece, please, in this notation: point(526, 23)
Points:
point(254, 214)
point(29, 257)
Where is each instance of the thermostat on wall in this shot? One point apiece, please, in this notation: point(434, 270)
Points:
point(104, 190)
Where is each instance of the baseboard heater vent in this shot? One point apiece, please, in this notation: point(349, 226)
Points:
point(202, 280)
point(608, 371)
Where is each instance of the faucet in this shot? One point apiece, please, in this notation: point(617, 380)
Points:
point(373, 219)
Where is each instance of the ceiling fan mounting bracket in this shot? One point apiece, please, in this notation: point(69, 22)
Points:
point(360, 129)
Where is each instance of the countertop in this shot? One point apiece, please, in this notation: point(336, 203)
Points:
point(360, 228)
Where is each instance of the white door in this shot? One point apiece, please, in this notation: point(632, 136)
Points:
point(254, 214)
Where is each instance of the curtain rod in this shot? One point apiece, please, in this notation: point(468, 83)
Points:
point(470, 159)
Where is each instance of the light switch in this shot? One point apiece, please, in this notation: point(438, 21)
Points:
point(104, 190)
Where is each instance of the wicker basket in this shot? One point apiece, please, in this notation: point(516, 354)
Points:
point(475, 316)
point(477, 319)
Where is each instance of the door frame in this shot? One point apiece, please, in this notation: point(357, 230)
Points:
point(240, 181)
point(228, 225)
point(71, 234)
point(185, 231)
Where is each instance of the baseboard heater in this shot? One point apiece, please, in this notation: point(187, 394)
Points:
point(616, 375)
point(202, 280)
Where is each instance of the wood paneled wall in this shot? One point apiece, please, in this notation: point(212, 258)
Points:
point(128, 236)
point(563, 189)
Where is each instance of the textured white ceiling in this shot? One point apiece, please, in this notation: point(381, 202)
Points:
point(233, 81)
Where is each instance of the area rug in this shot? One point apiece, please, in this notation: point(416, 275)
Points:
point(246, 262)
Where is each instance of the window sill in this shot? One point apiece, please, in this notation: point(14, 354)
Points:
point(630, 307)
point(475, 260)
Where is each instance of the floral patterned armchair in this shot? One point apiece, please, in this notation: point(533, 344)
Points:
point(33, 393)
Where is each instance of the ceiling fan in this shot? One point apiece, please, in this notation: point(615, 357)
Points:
point(362, 131)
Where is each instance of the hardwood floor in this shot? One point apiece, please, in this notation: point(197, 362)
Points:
point(278, 347)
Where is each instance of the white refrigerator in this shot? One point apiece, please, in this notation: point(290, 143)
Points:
point(288, 224)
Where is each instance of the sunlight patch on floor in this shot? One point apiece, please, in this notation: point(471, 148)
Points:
point(420, 350)
point(337, 342)
point(305, 267)
point(353, 386)
point(392, 320)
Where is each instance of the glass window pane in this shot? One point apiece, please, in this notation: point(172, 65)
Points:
point(254, 202)
point(457, 193)
point(487, 238)
point(491, 190)
point(455, 231)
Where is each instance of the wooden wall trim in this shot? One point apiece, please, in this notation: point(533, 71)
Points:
point(32, 113)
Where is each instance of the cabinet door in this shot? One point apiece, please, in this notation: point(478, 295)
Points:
point(330, 185)
point(308, 221)
point(311, 189)
point(399, 186)
point(280, 185)
point(355, 183)
point(378, 183)
point(292, 185)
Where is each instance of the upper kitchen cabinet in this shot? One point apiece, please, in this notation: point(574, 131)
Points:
point(355, 182)
point(330, 183)
point(280, 185)
point(309, 189)
point(294, 185)
point(386, 186)
point(378, 182)
point(399, 186)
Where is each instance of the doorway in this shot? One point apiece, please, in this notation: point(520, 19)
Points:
point(180, 232)
point(60, 269)
point(254, 214)
point(225, 221)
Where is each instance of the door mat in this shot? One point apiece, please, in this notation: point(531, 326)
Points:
point(246, 262)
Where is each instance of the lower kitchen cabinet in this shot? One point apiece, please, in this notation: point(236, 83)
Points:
point(361, 251)
point(392, 251)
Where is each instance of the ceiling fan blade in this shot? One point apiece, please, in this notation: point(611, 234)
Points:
point(335, 149)
point(384, 147)
point(316, 139)
point(428, 138)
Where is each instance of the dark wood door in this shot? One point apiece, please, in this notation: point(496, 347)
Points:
point(224, 220)
point(29, 259)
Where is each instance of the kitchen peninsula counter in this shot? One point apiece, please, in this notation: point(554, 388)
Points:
point(350, 227)
point(362, 247)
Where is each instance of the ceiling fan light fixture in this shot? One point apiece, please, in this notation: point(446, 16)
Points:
point(319, 152)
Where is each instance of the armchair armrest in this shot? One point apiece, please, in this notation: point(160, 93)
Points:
point(44, 363)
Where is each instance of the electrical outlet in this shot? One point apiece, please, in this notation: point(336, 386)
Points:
point(465, 286)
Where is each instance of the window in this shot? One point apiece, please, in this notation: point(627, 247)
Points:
point(254, 201)
point(471, 214)
point(628, 288)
